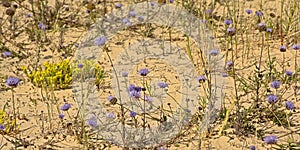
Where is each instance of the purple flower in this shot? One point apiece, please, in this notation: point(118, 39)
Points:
point(271, 139)
point(289, 105)
point(124, 74)
point(161, 148)
point(296, 46)
point(134, 94)
point(65, 107)
point(132, 114)
point(88, 11)
point(141, 18)
point(92, 121)
point(80, 65)
point(259, 13)
point(224, 74)
point(201, 78)
point(229, 65)
point(269, 30)
point(230, 31)
point(118, 5)
point(76, 45)
point(126, 21)
point(288, 73)
point(61, 116)
point(12, 81)
point(252, 147)
point(148, 99)
point(208, 11)
point(261, 26)
point(228, 22)
point(100, 41)
point(6, 54)
point(171, 1)
point(162, 84)
point(275, 84)
point(42, 26)
point(2, 127)
point(143, 72)
point(272, 98)
point(110, 115)
point(28, 15)
point(282, 48)
point(248, 11)
point(152, 3)
point(132, 13)
point(214, 52)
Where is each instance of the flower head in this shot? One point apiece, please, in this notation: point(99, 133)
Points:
point(42, 26)
point(152, 4)
point(162, 84)
point(201, 78)
point(259, 13)
point(269, 30)
point(248, 11)
point(296, 46)
point(229, 65)
point(92, 121)
point(288, 73)
point(252, 147)
point(275, 84)
point(135, 94)
point(65, 107)
point(289, 105)
point(100, 41)
point(208, 11)
point(282, 48)
point(230, 31)
point(132, 114)
point(6, 54)
point(126, 21)
point(118, 5)
point(2, 127)
point(124, 74)
point(171, 1)
point(272, 98)
point(141, 18)
point(80, 65)
point(271, 139)
point(148, 99)
point(228, 21)
point(110, 115)
point(61, 116)
point(132, 14)
point(214, 52)
point(261, 26)
point(143, 72)
point(12, 81)
point(224, 74)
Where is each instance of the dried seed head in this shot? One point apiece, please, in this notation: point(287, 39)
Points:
point(10, 11)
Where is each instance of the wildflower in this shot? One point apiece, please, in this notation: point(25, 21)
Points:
point(12, 81)
point(65, 107)
point(272, 98)
point(271, 139)
point(132, 114)
point(162, 84)
point(112, 99)
point(261, 26)
point(282, 48)
point(2, 127)
point(152, 4)
point(214, 52)
point(42, 26)
point(228, 22)
point(124, 74)
point(248, 11)
point(88, 11)
point(61, 116)
point(161, 148)
point(289, 105)
point(288, 73)
point(110, 115)
point(208, 11)
point(143, 72)
point(259, 13)
point(224, 74)
point(76, 45)
point(229, 65)
point(141, 18)
point(171, 1)
point(296, 46)
point(132, 13)
point(100, 41)
point(6, 54)
point(269, 30)
point(118, 5)
point(275, 84)
point(135, 94)
point(126, 21)
point(201, 78)
point(92, 121)
point(252, 147)
point(28, 15)
point(230, 31)
point(148, 99)
point(80, 65)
